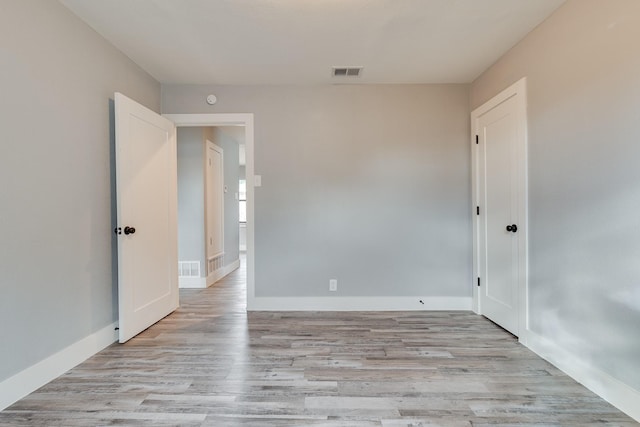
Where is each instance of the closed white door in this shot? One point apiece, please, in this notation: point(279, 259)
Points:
point(214, 202)
point(147, 216)
point(501, 191)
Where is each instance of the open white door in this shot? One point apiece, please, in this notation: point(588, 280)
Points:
point(146, 185)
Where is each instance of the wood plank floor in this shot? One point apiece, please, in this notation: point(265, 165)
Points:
point(212, 364)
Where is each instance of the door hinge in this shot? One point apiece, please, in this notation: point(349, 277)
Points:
point(477, 139)
point(477, 210)
point(478, 281)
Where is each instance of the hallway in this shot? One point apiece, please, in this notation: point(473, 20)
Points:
point(211, 364)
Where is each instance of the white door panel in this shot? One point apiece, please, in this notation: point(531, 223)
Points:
point(498, 133)
point(215, 201)
point(498, 194)
point(146, 201)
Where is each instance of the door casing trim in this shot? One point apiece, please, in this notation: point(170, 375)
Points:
point(234, 119)
point(518, 90)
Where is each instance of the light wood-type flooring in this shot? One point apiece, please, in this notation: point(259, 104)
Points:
point(212, 364)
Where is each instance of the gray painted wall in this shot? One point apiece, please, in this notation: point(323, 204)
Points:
point(56, 275)
point(583, 72)
point(366, 184)
point(191, 234)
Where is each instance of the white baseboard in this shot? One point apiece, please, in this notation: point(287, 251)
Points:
point(222, 272)
point(192, 282)
point(358, 303)
point(27, 381)
point(614, 391)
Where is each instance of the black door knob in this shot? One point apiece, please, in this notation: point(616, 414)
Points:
point(129, 230)
point(512, 228)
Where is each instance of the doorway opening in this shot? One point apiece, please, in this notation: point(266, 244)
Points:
point(240, 125)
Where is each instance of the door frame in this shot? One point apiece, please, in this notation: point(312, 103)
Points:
point(239, 119)
point(518, 91)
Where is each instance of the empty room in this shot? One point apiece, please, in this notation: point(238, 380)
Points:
point(320, 212)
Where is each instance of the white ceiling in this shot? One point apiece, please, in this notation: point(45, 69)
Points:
point(298, 41)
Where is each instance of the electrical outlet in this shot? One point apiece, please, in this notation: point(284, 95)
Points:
point(333, 285)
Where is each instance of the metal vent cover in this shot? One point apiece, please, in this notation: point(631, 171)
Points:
point(346, 71)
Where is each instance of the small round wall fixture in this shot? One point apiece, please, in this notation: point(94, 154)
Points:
point(212, 99)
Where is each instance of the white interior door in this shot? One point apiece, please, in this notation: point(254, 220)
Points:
point(500, 181)
point(499, 295)
point(214, 203)
point(147, 216)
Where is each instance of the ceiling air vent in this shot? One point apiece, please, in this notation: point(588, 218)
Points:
point(346, 71)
